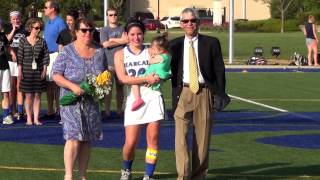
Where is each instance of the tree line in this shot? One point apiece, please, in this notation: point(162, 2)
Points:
point(293, 9)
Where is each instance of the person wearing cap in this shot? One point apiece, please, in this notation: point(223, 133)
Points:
point(14, 33)
point(5, 75)
point(52, 28)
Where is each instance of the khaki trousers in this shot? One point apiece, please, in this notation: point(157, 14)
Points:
point(193, 110)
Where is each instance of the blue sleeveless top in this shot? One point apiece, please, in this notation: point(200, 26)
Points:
point(309, 30)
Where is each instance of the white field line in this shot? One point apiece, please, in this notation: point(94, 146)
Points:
point(286, 100)
point(259, 104)
point(61, 170)
point(271, 107)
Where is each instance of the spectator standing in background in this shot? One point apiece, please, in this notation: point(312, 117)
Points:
point(311, 33)
point(113, 38)
point(53, 27)
point(5, 75)
point(65, 37)
point(33, 59)
point(15, 32)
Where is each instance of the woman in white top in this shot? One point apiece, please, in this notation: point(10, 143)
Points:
point(130, 63)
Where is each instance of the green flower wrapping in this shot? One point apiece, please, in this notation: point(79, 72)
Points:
point(71, 98)
point(95, 86)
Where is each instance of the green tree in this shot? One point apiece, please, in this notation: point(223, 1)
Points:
point(311, 5)
point(5, 7)
point(97, 9)
point(282, 6)
point(291, 13)
point(119, 5)
point(22, 6)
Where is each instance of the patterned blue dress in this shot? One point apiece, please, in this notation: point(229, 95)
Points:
point(82, 120)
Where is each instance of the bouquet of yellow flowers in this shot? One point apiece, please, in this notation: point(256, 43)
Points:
point(95, 86)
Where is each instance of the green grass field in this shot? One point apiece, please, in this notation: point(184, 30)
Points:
point(234, 156)
point(298, 92)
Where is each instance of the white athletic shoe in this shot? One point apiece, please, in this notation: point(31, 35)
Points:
point(7, 120)
point(146, 177)
point(125, 174)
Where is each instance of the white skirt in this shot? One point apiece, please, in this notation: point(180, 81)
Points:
point(151, 111)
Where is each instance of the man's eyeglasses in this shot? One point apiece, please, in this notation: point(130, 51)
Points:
point(112, 15)
point(36, 28)
point(84, 30)
point(185, 21)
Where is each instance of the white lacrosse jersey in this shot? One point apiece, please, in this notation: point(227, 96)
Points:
point(153, 109)
point(136, 64)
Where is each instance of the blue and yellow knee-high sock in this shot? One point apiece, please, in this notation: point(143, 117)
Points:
point(127, 164)
point(6, 112)
point(20, 108)
point(10, 109)
point(151, 155)
point(149, 169)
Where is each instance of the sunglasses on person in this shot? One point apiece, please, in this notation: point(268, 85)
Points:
point(185, 21)
point(36, 28)
point(85, 30)
point(112, 15)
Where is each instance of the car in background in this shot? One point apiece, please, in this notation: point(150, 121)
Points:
point(170, 21)
point(206, 21)
point(143, 15)
point(152, 24)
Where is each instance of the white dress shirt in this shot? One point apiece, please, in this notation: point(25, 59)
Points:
point(186, 78)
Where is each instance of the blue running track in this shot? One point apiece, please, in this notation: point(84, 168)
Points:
point(225, 123)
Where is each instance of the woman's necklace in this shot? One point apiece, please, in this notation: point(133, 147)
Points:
point(32, 40)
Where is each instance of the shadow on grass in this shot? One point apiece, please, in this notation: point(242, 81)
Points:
point(271, 171)
point(159, 176)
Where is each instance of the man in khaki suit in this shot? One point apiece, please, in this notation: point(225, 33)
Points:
point(198, 80)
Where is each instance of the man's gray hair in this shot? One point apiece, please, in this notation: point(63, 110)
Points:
point(193, 11)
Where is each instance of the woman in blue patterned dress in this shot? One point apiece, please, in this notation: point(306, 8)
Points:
point(81, 121)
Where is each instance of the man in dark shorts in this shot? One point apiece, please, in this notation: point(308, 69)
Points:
point(14, 33)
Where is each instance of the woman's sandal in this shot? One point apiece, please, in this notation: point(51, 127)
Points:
point(67, 177)
point(29, 123)
point(38, 123)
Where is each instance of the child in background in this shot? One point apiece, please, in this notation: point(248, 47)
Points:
point(5, 75)
point(159, 64)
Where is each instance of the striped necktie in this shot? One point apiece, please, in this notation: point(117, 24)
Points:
point(193, 70)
